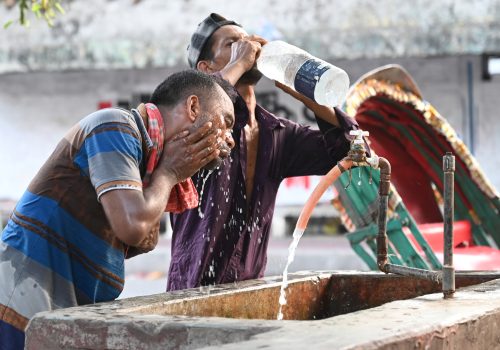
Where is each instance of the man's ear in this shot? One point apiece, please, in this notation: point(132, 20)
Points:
point(193, 107)
point(204, 66)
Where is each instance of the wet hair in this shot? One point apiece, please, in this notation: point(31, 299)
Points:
point(178, 86)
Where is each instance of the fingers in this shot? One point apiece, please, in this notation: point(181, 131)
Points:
point(197, 134)
point(211, 156)
point(207, 144)
point(180, 135)
point(245, 47)
point(257, 38)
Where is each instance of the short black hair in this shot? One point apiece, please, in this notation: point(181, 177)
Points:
point(178, 86)
point(201, 37)
point(206, 53)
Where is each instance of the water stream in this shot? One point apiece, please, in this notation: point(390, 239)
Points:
point(297, 233)
point(205, 177)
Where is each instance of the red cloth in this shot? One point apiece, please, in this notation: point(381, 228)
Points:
point(183, 195)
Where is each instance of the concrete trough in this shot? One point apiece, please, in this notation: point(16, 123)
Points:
point(330, 309)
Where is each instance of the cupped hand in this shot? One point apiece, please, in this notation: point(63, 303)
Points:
point(187, 152)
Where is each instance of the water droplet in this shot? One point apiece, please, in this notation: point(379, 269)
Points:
point(359, 183)
point(205, 176)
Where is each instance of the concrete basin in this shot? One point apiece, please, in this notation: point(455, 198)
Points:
point(319, 305)
point(309, 296)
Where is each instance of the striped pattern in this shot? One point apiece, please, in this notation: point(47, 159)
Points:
point(58, 250)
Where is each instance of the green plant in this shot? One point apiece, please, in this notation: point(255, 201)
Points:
point(43, 9)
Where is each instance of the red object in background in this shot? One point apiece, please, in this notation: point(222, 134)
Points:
point(466, 255)
point(104, 104)
point(412, 177)
point(298, 181)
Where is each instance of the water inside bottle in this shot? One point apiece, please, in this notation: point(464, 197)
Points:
point(332, 87)
point(281, 62)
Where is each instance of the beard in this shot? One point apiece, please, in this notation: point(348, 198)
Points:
point(250, 77)
point(215, 163)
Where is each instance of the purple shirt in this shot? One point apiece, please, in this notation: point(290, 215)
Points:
point(228, 241)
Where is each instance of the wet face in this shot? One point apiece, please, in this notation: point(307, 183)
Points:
point(220, 112)
point(222, 40)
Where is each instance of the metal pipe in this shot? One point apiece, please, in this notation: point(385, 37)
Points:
point(435, 276)
point(383, 191)
point(447, 275)
point(448, 269)
point(382, 245)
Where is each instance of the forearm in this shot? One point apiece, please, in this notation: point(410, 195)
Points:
point(325, 113)
point(157, 193)
point(155, 196)
point(133, 214)
point(232, 72)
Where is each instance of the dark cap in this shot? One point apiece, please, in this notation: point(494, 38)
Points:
point(203, 33)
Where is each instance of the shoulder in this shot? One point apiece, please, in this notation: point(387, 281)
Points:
point(109, 116)
point(288, 126)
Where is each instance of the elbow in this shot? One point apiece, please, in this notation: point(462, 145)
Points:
point(132, 233)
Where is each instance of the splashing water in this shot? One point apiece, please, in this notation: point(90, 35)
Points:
point(205, 177)
point(297, 233)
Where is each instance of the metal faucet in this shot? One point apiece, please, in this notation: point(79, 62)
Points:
point(357, 154)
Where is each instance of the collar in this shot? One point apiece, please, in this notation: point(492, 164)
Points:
point(264, 117)
point(141, 119)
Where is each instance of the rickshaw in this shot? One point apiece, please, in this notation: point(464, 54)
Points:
point(408, 131)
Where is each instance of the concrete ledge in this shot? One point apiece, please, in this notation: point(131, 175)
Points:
point(468, 321)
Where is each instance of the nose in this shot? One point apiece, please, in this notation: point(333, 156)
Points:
point(229, 139)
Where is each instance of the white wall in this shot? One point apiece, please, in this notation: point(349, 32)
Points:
point(37, 108)
point(101, 34)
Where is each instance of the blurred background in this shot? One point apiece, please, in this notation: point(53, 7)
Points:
point(103, 53)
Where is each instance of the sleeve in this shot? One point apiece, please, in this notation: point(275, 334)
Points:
point(315, 152)
point(114, 153)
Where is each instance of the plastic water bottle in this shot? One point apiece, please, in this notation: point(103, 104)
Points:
point(299, 70)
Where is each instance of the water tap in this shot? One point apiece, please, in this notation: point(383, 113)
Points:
point(357, 153)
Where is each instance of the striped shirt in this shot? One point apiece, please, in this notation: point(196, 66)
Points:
point(58, 249)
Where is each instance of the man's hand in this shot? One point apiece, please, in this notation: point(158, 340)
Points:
point(186, 153)
point(244, 53)
point(324, 112)
point(134, 215)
